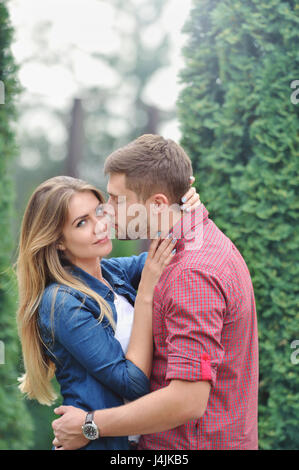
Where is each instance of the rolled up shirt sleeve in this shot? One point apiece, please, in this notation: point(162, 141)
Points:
point(93, 345)
point(194, 320)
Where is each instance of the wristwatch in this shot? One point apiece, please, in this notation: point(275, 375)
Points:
point(89, 428)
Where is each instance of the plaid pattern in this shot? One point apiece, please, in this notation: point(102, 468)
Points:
point(205, 328)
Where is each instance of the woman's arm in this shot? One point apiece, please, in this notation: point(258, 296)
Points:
point(140, 349)
point(90, 343)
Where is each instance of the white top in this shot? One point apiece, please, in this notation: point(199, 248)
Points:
point(125, 317)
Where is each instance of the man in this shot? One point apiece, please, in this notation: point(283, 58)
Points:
point(204, 381)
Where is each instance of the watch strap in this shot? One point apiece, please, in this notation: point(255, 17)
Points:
point(89, 417)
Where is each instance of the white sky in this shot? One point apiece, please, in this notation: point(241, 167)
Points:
point(76, 29)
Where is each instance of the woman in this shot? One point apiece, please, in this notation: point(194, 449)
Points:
point(67, 313)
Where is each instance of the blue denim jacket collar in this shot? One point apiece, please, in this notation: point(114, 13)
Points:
point(94, 283)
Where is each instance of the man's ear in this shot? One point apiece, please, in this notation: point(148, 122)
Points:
point(159, 202)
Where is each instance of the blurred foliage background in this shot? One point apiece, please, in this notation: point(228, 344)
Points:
point(15, 423)
point(237, 122)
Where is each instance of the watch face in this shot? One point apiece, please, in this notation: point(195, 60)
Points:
point(90, 431)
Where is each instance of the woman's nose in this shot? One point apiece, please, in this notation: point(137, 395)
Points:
point(101, 226)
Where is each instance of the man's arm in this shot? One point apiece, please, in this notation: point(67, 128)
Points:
point(163, 409)
point(160, 410)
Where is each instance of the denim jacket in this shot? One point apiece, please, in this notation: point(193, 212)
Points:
point(91, 368)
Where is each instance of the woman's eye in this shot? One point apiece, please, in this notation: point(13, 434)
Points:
point(79, 223)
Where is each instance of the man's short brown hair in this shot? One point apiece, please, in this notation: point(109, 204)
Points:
point(152, 164)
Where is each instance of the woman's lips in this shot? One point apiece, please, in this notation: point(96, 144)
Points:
point(103, 240)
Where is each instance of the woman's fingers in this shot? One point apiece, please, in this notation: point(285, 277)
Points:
point(164, 249)
point(169, 257)
point(188, 195)
point(193, 200)
point(190, 191)
point(191, 204)
point(154, 245)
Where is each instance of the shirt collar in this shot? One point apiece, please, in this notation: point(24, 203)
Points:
point(92, 282)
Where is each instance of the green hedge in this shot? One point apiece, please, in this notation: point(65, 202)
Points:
point(241, 129)
point(15, 424)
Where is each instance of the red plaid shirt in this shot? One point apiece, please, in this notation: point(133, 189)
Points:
point(205, 328)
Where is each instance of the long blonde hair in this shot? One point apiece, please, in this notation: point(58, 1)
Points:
point(39, 263)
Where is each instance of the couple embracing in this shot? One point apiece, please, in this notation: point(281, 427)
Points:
point(156, 351)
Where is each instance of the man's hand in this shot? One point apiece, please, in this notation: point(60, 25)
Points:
point(68, 428)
